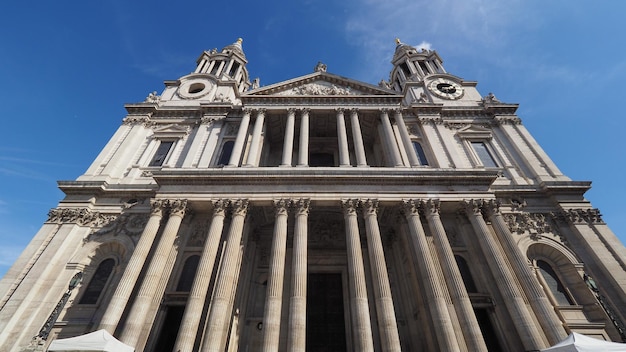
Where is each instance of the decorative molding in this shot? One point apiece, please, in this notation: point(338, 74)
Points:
point(79, 216)
point(302, 205)
point(318, 88)
point(369, 206)
point(523, 222)
point(580, 216)
point(137, 120)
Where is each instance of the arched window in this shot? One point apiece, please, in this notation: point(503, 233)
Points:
point(470, 286)
point(188, 274)
point(554, 284)
point(227, 150)
point(98, 282)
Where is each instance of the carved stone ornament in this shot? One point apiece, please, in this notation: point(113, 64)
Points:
point(196, 238)
point(319, 88)
point(178, 207)
point(81, 216)
point(126, 224)
point(320, 67)
point(349, 206)
point(577, 216)
point(326, 232)
point(153, 97)
point(281, 206)
point(209, 120)
point(302, 206)
point(523, 222)
point(136, 120)
point(370, 207)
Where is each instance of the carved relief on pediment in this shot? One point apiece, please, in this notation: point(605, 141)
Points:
point(320, 88)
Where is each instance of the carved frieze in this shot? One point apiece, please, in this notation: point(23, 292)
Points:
point(319, 88)
point(523, 222)
point(579, 216)
point(79, 216)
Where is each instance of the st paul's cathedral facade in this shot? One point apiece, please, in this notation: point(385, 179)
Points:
point(319, 214)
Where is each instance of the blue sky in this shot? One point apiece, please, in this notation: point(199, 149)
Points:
point(68, 68)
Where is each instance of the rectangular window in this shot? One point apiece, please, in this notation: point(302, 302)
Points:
point(421, 156)
point(484, 154)
point(161, 154)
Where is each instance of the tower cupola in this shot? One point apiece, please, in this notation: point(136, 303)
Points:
point(411, 64)
point(229, 64)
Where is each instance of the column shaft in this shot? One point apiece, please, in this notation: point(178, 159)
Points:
point(240, 140)
point(359, 148)
point(384, 301)
point(227, 279)
point(342, 139)
point(257, 143)
point(120, 298)
point(288, 142)
point(156, 270)
point(198, 294)
point(549, 320)
point(296, 337)
point(456, 286)
point(361, 327)
point(392, 145)
point(437, 303)
point(528, 332)
point(406, 139)
point(274, 295)
point(303, 160)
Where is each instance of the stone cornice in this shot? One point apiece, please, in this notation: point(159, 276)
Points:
point(325, 176)
point(100, 187)
point(322, 100)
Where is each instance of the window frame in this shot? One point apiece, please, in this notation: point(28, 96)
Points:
point(167, 155)
point(104, 287)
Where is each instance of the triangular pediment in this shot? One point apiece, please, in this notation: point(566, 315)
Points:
point(171, 131)
point(474, 131)
point(320, 84)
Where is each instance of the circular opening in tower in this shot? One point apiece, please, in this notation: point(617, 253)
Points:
point(196, 88)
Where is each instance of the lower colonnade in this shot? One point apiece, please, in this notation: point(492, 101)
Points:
point(208, 319)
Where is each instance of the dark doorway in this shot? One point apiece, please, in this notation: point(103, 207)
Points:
point(489, 333)
point(167, 337)
point(325, 326)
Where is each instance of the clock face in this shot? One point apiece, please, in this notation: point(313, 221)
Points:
point(446, 89)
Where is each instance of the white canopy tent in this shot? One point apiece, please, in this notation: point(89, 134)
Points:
point(580, 343)
point(100, 341)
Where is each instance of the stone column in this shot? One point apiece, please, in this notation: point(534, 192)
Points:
point(257, 143)
point(456, 286)
point(435, 296)
point(226, 283)
point(288, 141)
point(303, 160)
point(274, 296)
point(198, 294)
point(342, 139)
point(406, 139)
point(392, 145)
point(296, 337)
point(504, 280)
point(388, 328)
point(241, 139)
point(120, 298)
point(359, 307)
point(359, 149)
point(549, 320)
point(156, 270)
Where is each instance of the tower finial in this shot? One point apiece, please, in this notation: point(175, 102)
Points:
point(398, 41)
point(239, 40)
